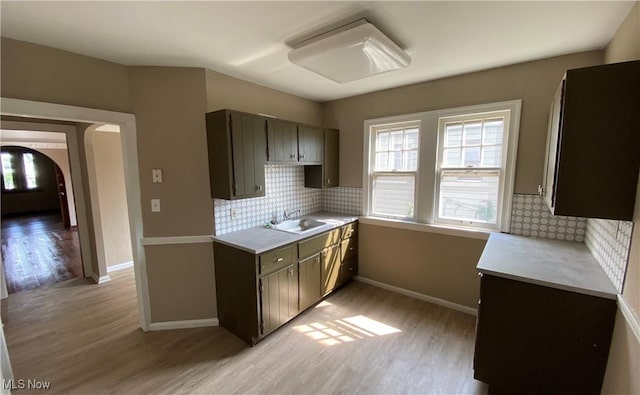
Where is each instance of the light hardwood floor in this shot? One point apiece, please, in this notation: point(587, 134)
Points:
point(85, 339)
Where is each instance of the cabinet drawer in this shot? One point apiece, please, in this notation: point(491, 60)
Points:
point(318, 243)
point(349, 230)
point(348, 249)
point(348, 269)
point(273, 260)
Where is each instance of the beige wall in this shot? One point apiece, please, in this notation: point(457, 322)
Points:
point(533, 82)
point(114, 215)
point(624, 359)
point(170, 104)
point(234, 94)
point(36, 72)
point(181, 282)
point(428, 263)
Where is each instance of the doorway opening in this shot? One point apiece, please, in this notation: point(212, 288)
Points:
point(40, 243)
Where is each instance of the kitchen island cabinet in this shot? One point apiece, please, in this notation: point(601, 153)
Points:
point(545, 317)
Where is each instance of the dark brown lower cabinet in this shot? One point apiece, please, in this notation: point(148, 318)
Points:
point(278, 298)
point(257, 294)
point(309, 273)
point(541, 340)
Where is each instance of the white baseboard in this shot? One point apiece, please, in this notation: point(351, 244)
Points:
point(161, 326)
point(120, 266)
point(417, 295)
point(100, 280)
point(630, 317)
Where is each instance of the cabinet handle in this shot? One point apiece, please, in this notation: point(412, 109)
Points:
point(291, 272)
point(351, 248)
point(259, 188)
point(301, 156)
point(292, 156)
point(328, 181)
point(280, 259)
point(540, 190)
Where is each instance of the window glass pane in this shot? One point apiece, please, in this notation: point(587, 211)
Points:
point(493, 131)
point(469, 196)
point(452, 157)
point(394, 195)
point(395, 160)
point(471, 156)
point(472, 133)
point(7, 171)
point(29, 170)
point(383, 142)
point(411, 160)
point(396, 140)
point(382, 161)
point(411, 139)
point(492, 156)
point(453, 135)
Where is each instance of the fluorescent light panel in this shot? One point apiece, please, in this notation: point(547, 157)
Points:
point(356, 51)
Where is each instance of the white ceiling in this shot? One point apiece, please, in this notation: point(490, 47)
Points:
point(247, 40)
point(33, 139)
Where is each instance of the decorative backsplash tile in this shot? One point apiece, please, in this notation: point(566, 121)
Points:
point(284, 190)
point(343, 200)
point(531, 217)
point(609, 242)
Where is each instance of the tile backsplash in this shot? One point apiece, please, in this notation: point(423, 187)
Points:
point(284, 190)
point(343, 200)
point(609, 242)
point(531, 217)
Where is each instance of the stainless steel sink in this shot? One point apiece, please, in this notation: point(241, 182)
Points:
point(298, 226)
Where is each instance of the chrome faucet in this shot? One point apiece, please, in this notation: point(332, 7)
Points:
point(288, 214)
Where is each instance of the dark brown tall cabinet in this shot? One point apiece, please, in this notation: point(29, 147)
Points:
point(237, 144)
point(326, 175)
point(593, 144)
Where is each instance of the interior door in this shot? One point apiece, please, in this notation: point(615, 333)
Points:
point(62, 195)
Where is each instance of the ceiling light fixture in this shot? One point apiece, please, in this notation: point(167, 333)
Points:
point(351, 52)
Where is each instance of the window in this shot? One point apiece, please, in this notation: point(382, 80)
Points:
point(469, 169)
point(450, 167)
point(18, 171)
point(395, 165)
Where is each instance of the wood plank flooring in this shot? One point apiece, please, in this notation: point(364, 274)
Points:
point(85, 339)
point(37, 250)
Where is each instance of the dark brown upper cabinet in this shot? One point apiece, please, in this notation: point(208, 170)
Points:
point(310, 145)
point(282, 141)
point(327, 175)
point(237, 145)
point(593, 145)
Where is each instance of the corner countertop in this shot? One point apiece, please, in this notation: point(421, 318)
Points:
point(557, 264)
point(260, 239)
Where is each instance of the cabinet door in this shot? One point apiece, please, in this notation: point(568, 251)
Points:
point(310, 144)
point(331, 158)
point(330, 268)
point(278, 298)
point(552, 148)
point(282, 141)
point(310, 281)
point(249, 149)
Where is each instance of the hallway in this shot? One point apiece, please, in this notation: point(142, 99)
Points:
point(37, 250)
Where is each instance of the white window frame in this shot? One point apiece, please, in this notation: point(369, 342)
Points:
point(372, 174)
point(427, 180)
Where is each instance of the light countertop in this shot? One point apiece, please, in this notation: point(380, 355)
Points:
point(557, 264)
point(260, 239)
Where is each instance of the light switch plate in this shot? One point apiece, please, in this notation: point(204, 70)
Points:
point(155, 205)
point(156, 175)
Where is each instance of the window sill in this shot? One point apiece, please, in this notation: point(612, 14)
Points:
point(415, 226)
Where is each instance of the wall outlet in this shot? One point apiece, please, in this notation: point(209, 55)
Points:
point(233, 213)
point(155, 205)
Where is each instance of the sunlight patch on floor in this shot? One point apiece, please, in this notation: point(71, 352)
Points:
point(345, 330)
